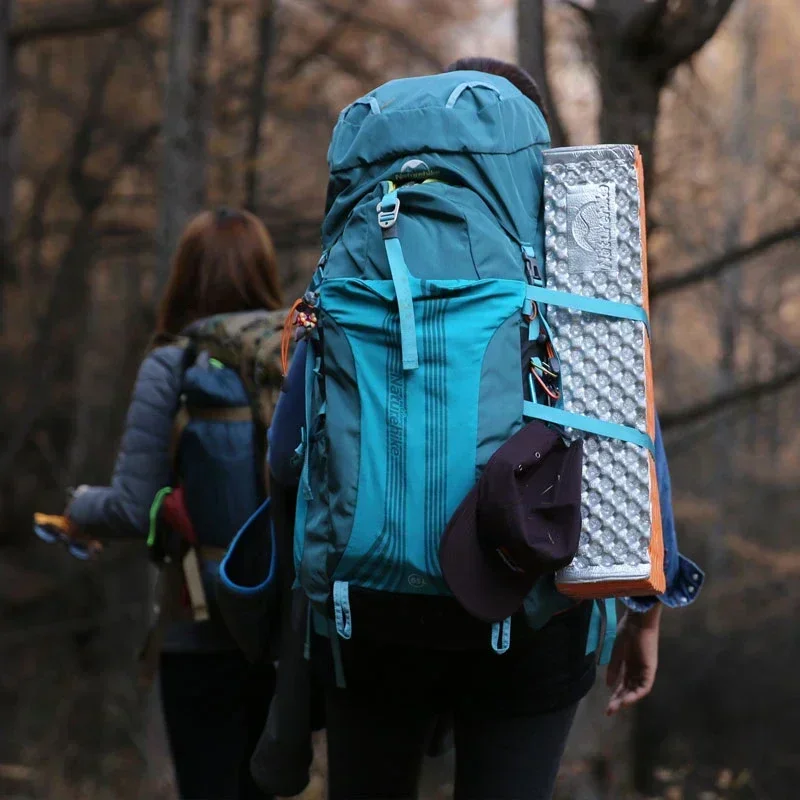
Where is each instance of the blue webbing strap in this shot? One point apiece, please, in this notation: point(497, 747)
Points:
point(388, 210)
point(343, 624)
point(341, 609)
point(610, 635)
point(501, 636)
point(307, 642)
point(566, 419)
point(602, 630)
point(595, 625)
point(336, 654)
point(592, 305)
point(305, 436)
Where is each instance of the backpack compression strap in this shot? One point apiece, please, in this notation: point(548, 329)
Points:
point(388, 212)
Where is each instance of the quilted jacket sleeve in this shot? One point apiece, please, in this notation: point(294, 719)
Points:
point(684, 577)
point(143, 463)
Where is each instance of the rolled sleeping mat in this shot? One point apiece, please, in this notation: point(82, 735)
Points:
point(247, 587)
point(595, 246)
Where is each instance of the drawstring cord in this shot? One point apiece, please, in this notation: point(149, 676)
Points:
point(303, 318)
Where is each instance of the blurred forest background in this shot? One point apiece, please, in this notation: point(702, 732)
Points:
point(119, 118)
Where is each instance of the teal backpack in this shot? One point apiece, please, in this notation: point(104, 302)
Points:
point(418, 340)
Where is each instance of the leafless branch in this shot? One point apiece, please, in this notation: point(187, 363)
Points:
point(44, 356)
point(783, 563)
point(397, 35)
point(69, 17)
point(323, 45)
point(686, 31)
point(716, 266)
point(731, 399)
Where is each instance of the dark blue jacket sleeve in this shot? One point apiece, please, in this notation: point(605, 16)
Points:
point(143, 464)
point(684, 577)
point(287, 422)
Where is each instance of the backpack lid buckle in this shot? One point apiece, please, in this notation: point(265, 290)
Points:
point(388, 211)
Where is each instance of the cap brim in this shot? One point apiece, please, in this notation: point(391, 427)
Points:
point(489, 591)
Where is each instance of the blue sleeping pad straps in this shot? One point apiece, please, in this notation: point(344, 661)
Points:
point(567, 419)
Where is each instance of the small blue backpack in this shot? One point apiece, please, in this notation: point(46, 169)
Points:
point(230, 383)
point(418, 343)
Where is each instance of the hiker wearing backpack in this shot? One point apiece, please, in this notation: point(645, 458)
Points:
point(404, 390)
point(189, 473)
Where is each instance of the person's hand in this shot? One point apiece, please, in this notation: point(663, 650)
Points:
point(634, 659)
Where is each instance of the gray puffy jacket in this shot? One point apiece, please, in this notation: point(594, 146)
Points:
point(143, 465)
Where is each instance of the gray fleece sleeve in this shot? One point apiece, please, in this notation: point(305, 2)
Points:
point(143, 463)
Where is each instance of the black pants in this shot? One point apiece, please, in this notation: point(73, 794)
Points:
point(512, 713)
point(215, 706)
point(376, 751)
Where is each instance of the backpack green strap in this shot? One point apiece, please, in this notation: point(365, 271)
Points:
point(155, 507)
point(388, 211)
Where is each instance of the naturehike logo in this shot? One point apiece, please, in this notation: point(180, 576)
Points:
point(592, 225)
point(415, 171)
point(396, 416)
point(416, 581)
point(414, 165)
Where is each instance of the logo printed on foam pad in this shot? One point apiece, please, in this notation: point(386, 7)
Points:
point(591, 223)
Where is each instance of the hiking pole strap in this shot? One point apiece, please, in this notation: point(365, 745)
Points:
point(169, 602)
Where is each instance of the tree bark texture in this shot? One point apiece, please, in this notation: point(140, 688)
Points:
point(258, 101)
point(186, 115)
point(532, 57)
point(8, 117)
point(638, 43)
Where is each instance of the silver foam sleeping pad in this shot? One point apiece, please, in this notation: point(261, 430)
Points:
point(594, 248)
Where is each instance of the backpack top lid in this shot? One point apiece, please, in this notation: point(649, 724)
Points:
point(477, 128)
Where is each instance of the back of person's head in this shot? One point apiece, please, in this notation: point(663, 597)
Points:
point(503, 69)
point(225, 262)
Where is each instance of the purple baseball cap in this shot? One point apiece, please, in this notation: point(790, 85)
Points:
point(522, 520)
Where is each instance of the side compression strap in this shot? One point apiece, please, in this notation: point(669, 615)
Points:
point(602, 630)
point(567, 419)
point(610, 634)
point(388, 211)
point(591, 305)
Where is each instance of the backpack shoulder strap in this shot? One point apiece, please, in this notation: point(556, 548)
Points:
point(182, 415)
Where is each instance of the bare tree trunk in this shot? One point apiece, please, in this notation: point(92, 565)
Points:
point(185, 121)
point(532, 57)
point(629, 95)
point(8, 126)
point(258, 102)
point(638, 43)
point(739, 146)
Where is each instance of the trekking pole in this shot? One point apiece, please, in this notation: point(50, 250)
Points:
point(56, 529)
